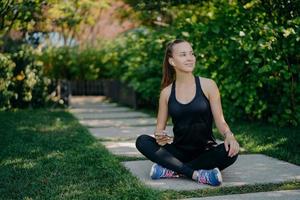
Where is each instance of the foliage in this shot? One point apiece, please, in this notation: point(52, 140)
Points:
point(22, 80)
point(248, 55)
point(250, 48)
point(154, 13)
point(135, 59)
point(71, 18)
point(24, 22)
point(20, 15)
point(73, 63)
point(252, 54)
point(6, 73)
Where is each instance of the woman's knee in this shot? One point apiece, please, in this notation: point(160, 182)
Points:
point(234, 158)
point(142, 141)
point(224, 158)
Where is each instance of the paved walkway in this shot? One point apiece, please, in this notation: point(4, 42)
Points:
point(117, 128)
point(274, 195)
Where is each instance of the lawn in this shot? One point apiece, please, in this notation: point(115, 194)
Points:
point(278, 142)
point(47, 154)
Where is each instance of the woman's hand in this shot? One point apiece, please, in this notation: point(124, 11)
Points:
point(162, 138)
point(231, 144)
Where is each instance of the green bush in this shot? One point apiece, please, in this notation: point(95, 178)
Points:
point(250, 48)
point(252, 58)
point(72, 63)
point(6, 73)
point(30, 83)
point(23, 83)
point(251, 54)
point(135, 58)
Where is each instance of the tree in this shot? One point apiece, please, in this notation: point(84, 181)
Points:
point(21, 16)
point(71, 16)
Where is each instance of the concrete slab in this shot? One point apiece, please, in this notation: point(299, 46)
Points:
point(100, 110)
point(274, 195)
point(111, 115)
point(124, 133)
point(118, 122)
point(89, 99)
point(125, 148)
point(248, 170)
point(90, 102)
point(95, 105)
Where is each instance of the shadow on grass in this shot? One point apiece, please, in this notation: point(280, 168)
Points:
point(49, 155)
point(278, 142)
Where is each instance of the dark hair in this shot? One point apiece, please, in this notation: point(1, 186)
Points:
point(169, 74)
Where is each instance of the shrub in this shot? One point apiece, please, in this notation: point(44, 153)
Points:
point(72, 63)
point(23, 81)
point(6, 73)
point(252, 54)
point(250, 48)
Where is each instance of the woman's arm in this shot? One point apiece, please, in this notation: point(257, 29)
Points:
point(216, 107)
point(222, 126)
point(162, 117)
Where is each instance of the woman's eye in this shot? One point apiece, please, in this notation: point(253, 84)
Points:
point(184, 54)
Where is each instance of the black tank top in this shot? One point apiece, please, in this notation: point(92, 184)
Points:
point(192, 122)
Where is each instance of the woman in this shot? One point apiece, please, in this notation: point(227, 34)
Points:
point(192, 102)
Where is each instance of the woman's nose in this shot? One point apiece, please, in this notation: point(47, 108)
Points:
point(191, 57)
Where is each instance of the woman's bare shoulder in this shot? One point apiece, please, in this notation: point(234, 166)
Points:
point(207, 82)
point(208, 86)
point(165, 93)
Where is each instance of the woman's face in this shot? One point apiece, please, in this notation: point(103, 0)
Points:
point(183, 58)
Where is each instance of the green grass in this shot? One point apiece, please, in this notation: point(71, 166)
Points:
point(169, 194)
point(47, 154)
point(278, 142)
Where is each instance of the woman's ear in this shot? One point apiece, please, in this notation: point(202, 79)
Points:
point(171, 61)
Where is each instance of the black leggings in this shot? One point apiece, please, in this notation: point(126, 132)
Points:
point(170, 157)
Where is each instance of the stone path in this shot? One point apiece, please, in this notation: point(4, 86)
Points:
point(94, 123)
point(123, 133)
point(111, 115)
point(248, 170)
point(274, 195)
point(117, 128)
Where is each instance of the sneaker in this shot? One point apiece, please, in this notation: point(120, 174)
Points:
point(158, 172)
point(211, 177)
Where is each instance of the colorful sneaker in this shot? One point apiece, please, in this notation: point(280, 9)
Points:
point(211, 177)
point(158, 172)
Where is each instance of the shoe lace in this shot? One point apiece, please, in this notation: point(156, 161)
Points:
point(168, 173)
point(203, 176)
